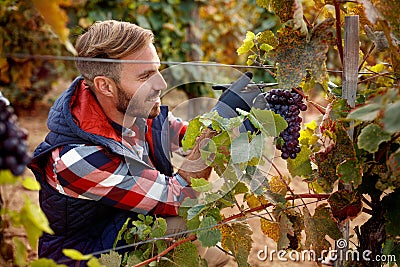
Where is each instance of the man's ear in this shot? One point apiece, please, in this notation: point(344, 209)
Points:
point(104, 86)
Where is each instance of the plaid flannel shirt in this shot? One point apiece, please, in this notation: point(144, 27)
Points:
point(91, 172)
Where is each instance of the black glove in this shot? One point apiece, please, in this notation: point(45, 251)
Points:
point(236, 96)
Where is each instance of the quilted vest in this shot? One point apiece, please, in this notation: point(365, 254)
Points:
point(81, 224)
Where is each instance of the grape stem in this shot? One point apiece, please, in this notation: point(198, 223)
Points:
point(318, 107)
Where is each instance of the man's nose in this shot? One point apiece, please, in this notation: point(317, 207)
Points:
point(160, 83)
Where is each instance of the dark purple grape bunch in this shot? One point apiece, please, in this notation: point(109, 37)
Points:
point(14, 151)
point(288, 104)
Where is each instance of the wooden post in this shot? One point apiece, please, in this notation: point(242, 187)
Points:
point(351, 60)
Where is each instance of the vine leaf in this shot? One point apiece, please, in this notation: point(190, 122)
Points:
point(318, 226)
point(301, 165)
point(394, 162)
point(57, 19)
point(34, 221)
point(307, 135)
point(334, 155)
point(75, 254)
point(277, 185)
point(201, 185)
point(208, 235)
point(345, 204)
point(193, 130)
point(387, 7)
point(236, 238)
point(254, 201)
point(44, 262)
point(350, 172)
point(371, 137)
point(392, 215)
point(286, 230)
point(365, 113)
point(20, 252)
point(270, 229)
point(390, 119)
point(295, 56)
point(271, 124)
point(248, 43)
point(111, 259)
point(186, 255)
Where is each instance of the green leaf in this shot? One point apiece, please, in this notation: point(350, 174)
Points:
point(271, 124)
point(76, 255)
point(121, 232)
point(301, 165)
point(43, 262)
point(392, 214)
point(201, 185)
point(159, 228)
point(391, 122)
point(195, 210)
point(365, 113)
point(186, 255)
point(266, 47)
point(392, 247)
point(318, 226)
point(192, 132)
point(248, 43)
point(7, 177)
point(371, 137)
point(111, 259)
point(34, 221)
point(209, 236)
point(94, 262)
point(240, 149)
point(307, 135)
point(21, 252)
point(31, 184)
point(350, 172)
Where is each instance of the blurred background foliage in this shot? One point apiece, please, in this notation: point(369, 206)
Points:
point(185, 31)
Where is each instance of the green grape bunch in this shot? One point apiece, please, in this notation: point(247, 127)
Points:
point(14, 151)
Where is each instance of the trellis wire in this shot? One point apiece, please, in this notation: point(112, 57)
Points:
point(189, 63)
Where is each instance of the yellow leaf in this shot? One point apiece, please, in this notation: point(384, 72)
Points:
point(56, 17)
point(76, 255)
point(31, 184)
point(378, 68)
point(270, 229)
point(277, 185)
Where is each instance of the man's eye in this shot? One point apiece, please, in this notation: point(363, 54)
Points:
point(146, 76)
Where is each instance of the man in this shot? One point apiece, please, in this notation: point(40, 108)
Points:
point(105, 158)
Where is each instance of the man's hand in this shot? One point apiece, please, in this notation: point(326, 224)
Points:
point(237, 96)
point(194, 165)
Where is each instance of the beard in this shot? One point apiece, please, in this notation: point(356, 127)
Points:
point(128, 105)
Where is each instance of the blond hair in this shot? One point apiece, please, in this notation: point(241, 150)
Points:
point(109, 39)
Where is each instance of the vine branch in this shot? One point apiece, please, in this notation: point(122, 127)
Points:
point(338, 30)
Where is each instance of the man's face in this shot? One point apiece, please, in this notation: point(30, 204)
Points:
point(141, 85)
